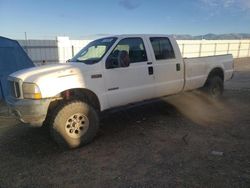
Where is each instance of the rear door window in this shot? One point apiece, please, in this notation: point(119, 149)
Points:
point(162, 47)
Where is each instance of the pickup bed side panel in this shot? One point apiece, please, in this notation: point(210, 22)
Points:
point(198, 69)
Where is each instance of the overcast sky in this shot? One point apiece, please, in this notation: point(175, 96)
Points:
point(82, 18)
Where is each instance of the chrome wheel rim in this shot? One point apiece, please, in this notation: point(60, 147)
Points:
point(76, 125)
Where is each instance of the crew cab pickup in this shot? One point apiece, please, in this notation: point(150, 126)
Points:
point(109, 72)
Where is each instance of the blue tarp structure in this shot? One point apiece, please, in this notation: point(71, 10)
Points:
point(12, 58)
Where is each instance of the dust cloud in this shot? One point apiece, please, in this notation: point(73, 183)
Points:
point(201, 109)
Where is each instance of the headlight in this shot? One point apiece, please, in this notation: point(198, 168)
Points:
point(31, 91)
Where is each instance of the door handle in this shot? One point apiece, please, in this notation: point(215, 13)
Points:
point(150, 70)
point(149, 63)
point(178, 67)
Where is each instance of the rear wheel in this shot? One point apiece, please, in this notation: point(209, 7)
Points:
point(74, 124)
point(214, 87)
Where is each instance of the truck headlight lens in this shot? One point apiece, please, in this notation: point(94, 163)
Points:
point(31, 91)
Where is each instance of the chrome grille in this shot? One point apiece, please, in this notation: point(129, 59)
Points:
point(15, 89)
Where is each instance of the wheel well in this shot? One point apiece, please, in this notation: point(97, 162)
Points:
point(82, 94)
point(216, 72)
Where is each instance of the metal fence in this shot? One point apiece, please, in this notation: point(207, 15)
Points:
point(62, 49)
point(41, 51)
point(238, 49)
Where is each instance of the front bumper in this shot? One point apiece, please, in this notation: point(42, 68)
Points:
point(29, 111)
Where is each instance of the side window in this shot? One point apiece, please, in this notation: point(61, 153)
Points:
point(162, 48)
point(129, 50)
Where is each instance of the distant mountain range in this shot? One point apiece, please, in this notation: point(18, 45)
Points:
point(212, 36)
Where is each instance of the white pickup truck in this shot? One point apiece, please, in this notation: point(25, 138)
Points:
point(107, 73)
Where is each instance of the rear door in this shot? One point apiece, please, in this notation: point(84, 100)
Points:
point(133, 83)
point(168, 66)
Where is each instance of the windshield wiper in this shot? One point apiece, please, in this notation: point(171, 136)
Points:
point(77, 60)
point(87, 61)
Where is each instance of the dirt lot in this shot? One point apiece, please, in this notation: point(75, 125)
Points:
point(169, 143)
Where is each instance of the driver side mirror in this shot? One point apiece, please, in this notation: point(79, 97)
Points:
point(110, 63)
point(113, 63)
point(127, 63)
point(118, 59)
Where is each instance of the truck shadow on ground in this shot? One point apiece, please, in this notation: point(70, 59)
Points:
point(22, 140)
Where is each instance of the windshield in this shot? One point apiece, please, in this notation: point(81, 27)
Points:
point(94, 51)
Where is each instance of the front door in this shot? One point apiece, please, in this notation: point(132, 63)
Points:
point(129, 76)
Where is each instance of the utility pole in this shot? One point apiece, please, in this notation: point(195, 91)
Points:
point(25, 34)
point(26, 42)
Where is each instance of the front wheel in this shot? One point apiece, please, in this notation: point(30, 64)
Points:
point(74, 124)
point(214, 87)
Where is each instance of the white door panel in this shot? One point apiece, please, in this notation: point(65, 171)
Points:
point(168, 79)
point(128, 85)
point(168, 68)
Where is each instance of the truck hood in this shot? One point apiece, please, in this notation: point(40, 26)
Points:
point(36, 74)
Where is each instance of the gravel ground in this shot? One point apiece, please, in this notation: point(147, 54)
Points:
point(181, 141)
